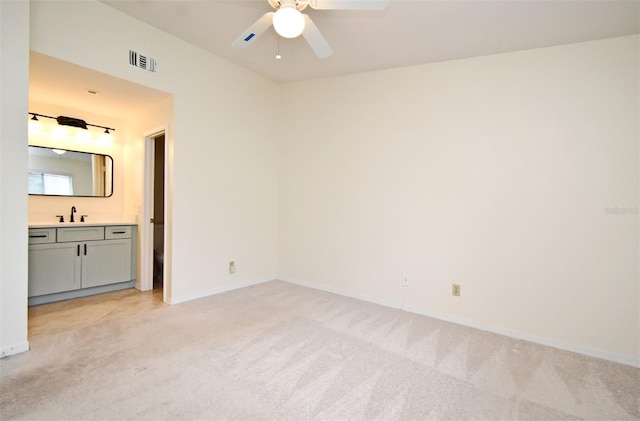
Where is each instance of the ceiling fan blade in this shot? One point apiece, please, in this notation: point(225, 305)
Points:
point(254, 30)
point(315, 39)
point(348, 4)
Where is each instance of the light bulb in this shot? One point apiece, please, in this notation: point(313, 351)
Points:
point(83, 135)
point(35, 126)
point(105, 138)
point(60, 133)
point(288, 22)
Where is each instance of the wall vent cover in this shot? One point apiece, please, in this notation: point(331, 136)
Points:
point(143, 61)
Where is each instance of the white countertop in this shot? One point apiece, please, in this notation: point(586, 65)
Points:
point(78, 224)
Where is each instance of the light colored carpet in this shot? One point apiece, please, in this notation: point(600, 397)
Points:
point(278, 351)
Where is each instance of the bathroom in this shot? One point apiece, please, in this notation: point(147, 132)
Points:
point(134, 117)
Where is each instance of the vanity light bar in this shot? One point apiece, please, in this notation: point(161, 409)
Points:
point(70, 121)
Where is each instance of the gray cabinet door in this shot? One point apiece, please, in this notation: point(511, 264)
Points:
point(54, 268)
point(106, 262)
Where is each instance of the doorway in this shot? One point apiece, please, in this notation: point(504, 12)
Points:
point(158, 213)
point(155, 248)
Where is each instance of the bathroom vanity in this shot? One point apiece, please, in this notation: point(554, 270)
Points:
point(74, 261)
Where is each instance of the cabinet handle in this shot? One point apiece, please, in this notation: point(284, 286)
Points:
point(85, 249)
point(119, 232)
point(78, 249)
point(38, 236)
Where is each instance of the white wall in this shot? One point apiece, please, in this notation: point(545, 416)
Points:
point(14, 84)
point(499, 173)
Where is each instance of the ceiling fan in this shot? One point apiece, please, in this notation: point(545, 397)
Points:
point(289, 22)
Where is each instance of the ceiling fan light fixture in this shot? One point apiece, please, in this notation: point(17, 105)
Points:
point(288, 21)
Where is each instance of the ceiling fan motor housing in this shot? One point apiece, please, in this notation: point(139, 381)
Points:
point(300, 6)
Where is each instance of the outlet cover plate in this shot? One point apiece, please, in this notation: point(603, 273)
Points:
point(455, 290)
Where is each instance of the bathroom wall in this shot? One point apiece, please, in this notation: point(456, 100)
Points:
point(43, 209)
point(155, 119)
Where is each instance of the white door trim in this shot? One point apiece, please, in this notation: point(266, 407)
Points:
point(146, 227)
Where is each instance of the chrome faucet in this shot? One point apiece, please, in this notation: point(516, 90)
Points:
point(73, 210)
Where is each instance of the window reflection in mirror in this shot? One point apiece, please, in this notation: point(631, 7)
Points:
point(62, 172)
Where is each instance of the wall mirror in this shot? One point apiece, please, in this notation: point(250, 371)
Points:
point(62, 172)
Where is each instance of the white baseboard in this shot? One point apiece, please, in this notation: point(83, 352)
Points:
point(219, 290)
point(14, 349)
point(592, 352)
point(342, 292)
point(566, 346)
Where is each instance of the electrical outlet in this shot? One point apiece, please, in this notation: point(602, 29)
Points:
point(232, 266)
point(405, 281)
point(455, 290)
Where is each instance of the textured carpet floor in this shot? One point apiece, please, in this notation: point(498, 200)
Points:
point(278, 351)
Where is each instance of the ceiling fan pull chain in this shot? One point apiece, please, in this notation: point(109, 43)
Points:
point(278, 56)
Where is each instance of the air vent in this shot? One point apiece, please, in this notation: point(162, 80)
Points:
point(143, 61)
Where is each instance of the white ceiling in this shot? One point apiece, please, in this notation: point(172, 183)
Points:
point(53, 81)
point(408, 32)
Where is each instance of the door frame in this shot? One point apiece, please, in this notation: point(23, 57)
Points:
point(146, 227)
